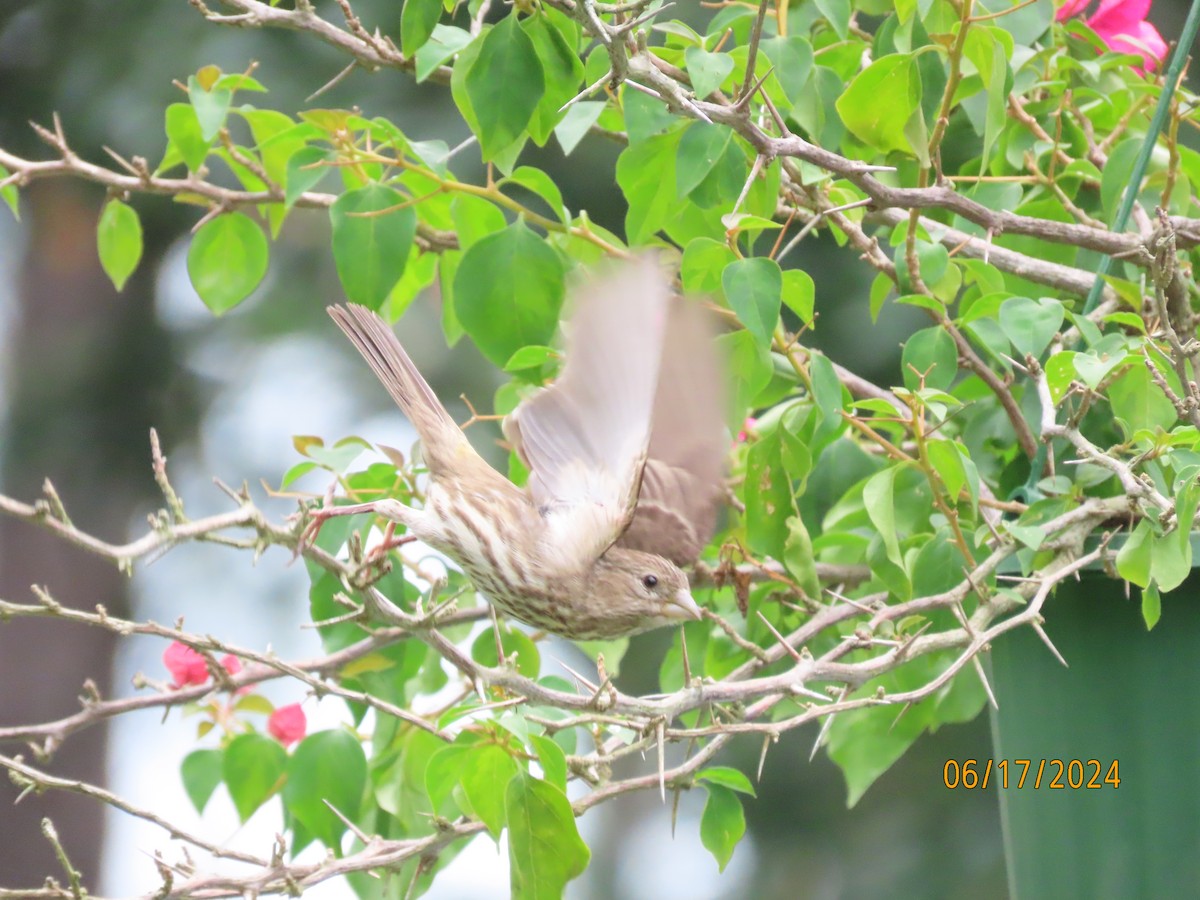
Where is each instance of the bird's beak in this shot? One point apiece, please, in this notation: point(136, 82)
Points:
point(682, 606)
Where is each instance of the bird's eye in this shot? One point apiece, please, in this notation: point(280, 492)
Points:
point(649, 580)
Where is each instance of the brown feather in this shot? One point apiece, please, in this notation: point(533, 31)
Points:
point(681, 491)
point(443, 442)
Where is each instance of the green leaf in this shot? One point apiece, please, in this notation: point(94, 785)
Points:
point(444, 770)
point(1151, 605)
point(878, 499)
point(798, 558)
point(508, 292)
point(865, 742)
point(750, 369)
point(734, 779)
point(185, 135)
point(417, 21)
point(1134, 557)
point(9, 194)
point(418, 275)
point(931, 354)
point(562, 70)
point(933, 260)
point(202, 771)
point(646, 175)
point(704, 262)
point(371, 251)
point(531, 357)
point(1032, 536)
point(576, 122)
point(793, 60)
point(1118, 173)
point(211, 106)
point(706, 70)
point(754, 288)
point(1170, 561)
point(699, 149)
point(837, 14)
point(443, 42)
point(326, 769)
point(722, 824)
point(552, 759)
point(119, 241)
point(253, 770)
point(1139, 403)
point(880, 103)
point(447, 271)
point(985, 49)
point(538, 182)
point(1030, 325)
point(513, 642)
point(297, 471)
point(799, 294)
point(304, 172)
point(768, 496)
point(475, 218)
point(485, 775)
point(947, 461)
point(1060, 372)
point(827, 394)
point(645, 116)
point(545, 850)
point(227, 260)
point(505, 83)
point(277, 138)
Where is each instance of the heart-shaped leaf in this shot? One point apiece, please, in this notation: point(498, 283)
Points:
point(1030, 325)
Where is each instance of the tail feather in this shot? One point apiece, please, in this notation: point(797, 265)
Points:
point(441, 438)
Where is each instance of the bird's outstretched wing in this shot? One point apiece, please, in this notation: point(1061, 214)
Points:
point(585, 438)
point(681, 491)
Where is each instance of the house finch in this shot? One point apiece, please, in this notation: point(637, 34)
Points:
point(625, 453)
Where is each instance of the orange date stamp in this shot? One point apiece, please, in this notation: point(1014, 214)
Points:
point(1050, 774)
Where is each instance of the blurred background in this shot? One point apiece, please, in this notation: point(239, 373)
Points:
point(86, 372)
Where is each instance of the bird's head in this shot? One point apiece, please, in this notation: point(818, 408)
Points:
point(649, 590)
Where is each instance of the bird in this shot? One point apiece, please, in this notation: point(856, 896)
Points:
point(625, 452)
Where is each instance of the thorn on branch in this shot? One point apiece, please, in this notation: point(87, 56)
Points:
point(56, 505)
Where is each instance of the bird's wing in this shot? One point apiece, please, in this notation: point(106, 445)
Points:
point(584, 438)
point(681, 490)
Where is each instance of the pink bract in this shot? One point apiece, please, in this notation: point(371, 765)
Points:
point(185, 665)
point(287, 724)
point(1122, 25)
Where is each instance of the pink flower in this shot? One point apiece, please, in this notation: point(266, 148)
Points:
point(1069, 9)
point(185, 665)
point(1122, 25)
point(287, 724)
point(747, 429)
point(231, 663)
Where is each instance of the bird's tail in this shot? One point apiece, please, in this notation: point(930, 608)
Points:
point(441, 438)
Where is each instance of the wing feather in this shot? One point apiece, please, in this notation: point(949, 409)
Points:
point(681, 490)
point(585, 438)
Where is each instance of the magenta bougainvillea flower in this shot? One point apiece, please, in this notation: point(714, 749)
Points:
point(1122, 25)
point(185, 665)
point(747, 429)
point(287, 724)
